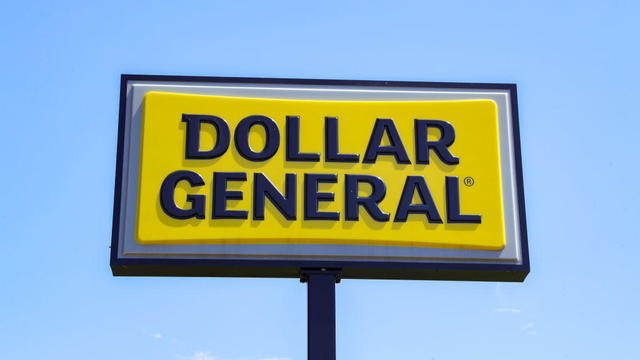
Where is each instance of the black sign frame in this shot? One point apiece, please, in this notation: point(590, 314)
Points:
point(291, 268)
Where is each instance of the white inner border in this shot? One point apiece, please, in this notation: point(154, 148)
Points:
point(129, 248)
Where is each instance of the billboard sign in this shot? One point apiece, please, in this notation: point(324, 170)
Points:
point(263, 177)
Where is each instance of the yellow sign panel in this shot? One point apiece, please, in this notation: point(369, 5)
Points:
point(229, 170)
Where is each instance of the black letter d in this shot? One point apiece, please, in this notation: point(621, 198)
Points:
point(194, 123)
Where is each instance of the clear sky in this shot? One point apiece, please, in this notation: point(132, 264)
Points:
point(576, 67)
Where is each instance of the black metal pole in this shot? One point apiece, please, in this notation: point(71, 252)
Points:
point(321, 312)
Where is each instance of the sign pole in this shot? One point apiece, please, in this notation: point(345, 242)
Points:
point(321, 312)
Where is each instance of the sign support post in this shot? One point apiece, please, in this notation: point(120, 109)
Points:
point(321, 312)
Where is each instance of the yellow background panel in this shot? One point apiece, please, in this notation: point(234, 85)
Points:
point(476, 145)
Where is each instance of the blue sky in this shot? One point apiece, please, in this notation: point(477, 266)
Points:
point(576, 66)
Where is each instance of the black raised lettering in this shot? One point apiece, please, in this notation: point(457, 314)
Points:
point(312, 197)
point(263, 188)
point(331, 153)
point(428, 206)
point(370, 203)
point(167, 195)
point(293, 142)
point(194, 126)
point(440, 147)
point(396, 148)
point(221, 195)
point(453, 204)
point(272, 142)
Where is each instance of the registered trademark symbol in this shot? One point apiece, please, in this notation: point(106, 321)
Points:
point(468, 181)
